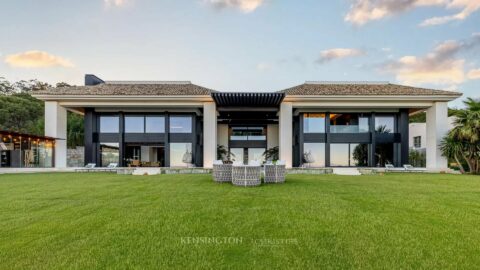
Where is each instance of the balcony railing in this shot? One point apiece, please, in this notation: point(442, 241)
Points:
point(348, 129)
point(249, 138)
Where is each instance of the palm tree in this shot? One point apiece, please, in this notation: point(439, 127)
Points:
point(464, 139)
point(451, 148)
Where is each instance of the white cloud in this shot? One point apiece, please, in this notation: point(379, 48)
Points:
point(116, 3)
point(364, 11)
point(467, 7)
point(243, 5)
point(36, 59)
point(337, 53)
point(474, 74)
point(441, 66)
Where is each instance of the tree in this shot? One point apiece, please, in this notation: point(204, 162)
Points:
point(417, 158)
point(75, 130)
point(20, 112)
point(360, 155)
point(463, 142)
point(271, 154)
point(223, 153)
point(451, 148)
point(5, 86)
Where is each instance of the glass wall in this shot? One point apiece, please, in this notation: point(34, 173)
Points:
point(349, 123)
point(359, 155)
point(109, 153)
point(314, 154)
point(180, 124)
point(384, 124)
point(144, 124)
point(26, 152)
point(180, 154)
point(339, 155)
point(237, 154)
point(154, 124)
point(313, 123)
point(248, 134)
point(384, 154)
point(256, 154)
point(134, 124)
point(109, 124)
point(345, 154)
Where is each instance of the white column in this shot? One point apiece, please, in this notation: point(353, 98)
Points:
point(437, 128)
point(209, 134)
point(286, 133)
point(56, 126)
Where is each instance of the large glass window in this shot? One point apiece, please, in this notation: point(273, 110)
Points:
point(237, 154)
point(314, 154)
point(155, 124)
point(248, 134)
point(180, 124)
point(417, 141)
point(109, 124)
point(344, 154)
point(384, 124)
point(358, 155)
point(109, 153)
point(256, 154)
point(313, 123)
point(180, 154)
point(384, 154)
point(134, 124)
point(339, 154)
point(348, 123)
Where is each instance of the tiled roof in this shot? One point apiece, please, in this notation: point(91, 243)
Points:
point(362, 89)
point(133, 89)
point(189, 89)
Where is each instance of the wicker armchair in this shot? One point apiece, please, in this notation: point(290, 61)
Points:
point(222, 173)
point(275, 173)
point(246, 176)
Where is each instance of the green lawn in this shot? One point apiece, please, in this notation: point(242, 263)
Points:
point(85, 221)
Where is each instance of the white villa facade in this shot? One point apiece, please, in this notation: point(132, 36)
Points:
point(170, 124)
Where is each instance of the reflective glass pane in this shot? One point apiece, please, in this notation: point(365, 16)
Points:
point(384, 124)
point(134, 124)
point(384, 154)
point(109, 153)
point(237, 154)
point(180, 124)
point(155, 124)
point(339, 154)
point(363, 124)
point(109, 124)
point(358, 155)
point(314, 154)
point(313, 123)
point(348, 123)
point(256, 154)
point(180, 154)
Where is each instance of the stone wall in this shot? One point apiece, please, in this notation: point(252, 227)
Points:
point(75, 157)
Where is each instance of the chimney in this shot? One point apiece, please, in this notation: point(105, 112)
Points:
point(91, 79)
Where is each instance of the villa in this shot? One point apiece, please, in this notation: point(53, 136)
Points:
point(177, 123)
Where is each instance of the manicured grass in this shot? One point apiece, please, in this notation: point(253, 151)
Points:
point(85, 221)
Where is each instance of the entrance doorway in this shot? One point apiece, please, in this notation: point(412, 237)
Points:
point(247, 155)
point(137, 155)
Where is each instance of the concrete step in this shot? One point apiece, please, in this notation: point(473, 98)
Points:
point(346, 171)
point(146, 171)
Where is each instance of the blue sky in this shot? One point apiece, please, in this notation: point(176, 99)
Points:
point(244, 45)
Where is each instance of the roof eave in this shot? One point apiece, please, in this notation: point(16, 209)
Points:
point(45, 97)
point(445, 98)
